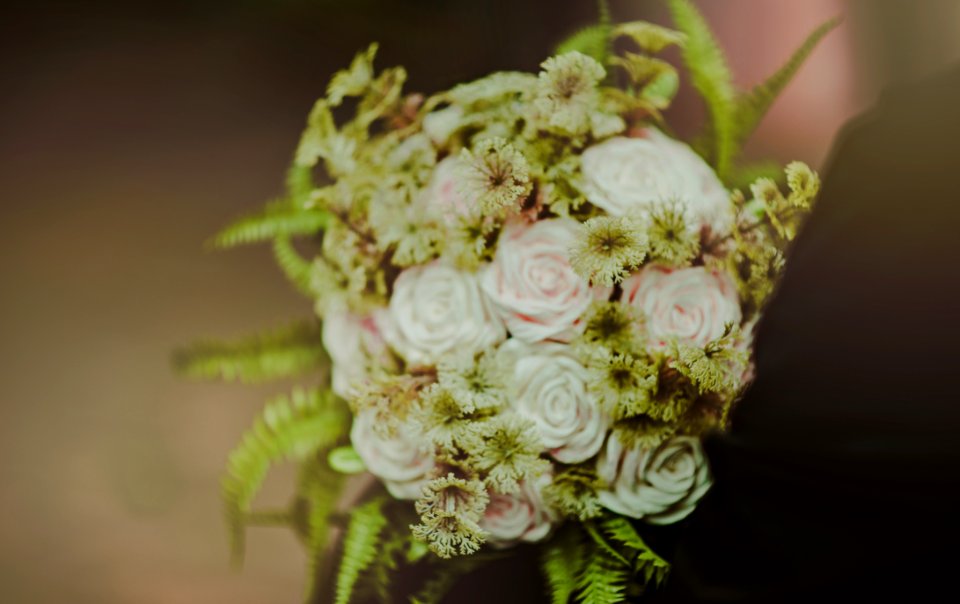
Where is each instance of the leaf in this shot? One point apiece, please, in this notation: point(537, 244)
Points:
point(561, 560)
point(646, 561)
point(279, 218)
point(649, 37)
point(602, 543)
point(345, 460)
point(359, 546)
point(290, 427)
point(711, 77)
point(293, 266)
point(593, 41)
point(603, 579)
point(318, 494)
point(285, 352)
point(753, 105)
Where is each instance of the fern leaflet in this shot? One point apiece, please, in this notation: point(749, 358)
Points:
point(359, 547)
point(294, 267)
point(711, 77)
point(280, 217)
point(282, 353)
point(603, 579)
point(290, 427)
point(561, 560)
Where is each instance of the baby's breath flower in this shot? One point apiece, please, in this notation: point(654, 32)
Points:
point(509, 452)
point(477, 384)
point(612, 325)
point(607, 249)
point(495, 175)
point(450, 509)
point(625, 383)
point(573, 493)
point(672, 240)
point(804, 184)
point(567, 92)
point(642, 432)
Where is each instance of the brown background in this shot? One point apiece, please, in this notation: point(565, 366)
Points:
point(128, 133)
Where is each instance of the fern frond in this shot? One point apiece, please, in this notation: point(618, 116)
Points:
point(645, 560)
point(359, 546)
point(278, 218)
point(603, 579)
point(293, 266)
point(288, 351)
point(711, 77)
point(318, 493)
point(753, 105)
point(593, 41)
point(447, 574)
point(561, 560)
point(601, 542)
point(299, 183)
point(290, 427)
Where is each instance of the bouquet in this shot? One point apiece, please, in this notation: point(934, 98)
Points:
point(532, 301)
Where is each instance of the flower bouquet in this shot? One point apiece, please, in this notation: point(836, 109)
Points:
point(532, 301)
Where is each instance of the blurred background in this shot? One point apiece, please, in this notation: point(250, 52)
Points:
point(130, 131)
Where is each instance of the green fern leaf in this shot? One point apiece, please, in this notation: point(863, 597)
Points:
point(299, 182)
point(317, 497)
point(561, 560)
point(711, 77)
point(753, 105)
point(279, 218)
point(286, 352)
point(290, 427)
point(359, 547)
point(293, 266)
point(603, 580)
point(593, 41)
point(646, 561)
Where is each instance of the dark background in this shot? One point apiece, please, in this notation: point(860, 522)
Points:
point(130, 131)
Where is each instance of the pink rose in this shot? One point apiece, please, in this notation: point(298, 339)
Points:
point(522, 516)
point(355, 345)
point(630, 175)
point(441, 198)
point(532, 284)
point(398, 458)
point(690, 304)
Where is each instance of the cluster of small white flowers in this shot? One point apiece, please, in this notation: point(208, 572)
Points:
point(526, 305)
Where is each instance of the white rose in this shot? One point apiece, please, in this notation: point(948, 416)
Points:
point(532, 284)
point(627, 175)
point(691, 304)
point(522, 516)
point(549, 387)
point(435, 311)
point(661, 485)
point(441, 198)
point(354, 344)
point(398, 459)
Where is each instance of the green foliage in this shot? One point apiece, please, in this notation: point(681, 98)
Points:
point(711, 77)
point(282, 353)
point(345, 460)
point(294, 267)
point(279, 218)
point(593, 41)
point(561, 560)
point(290, 428)
point(359, 546)
point(753, 105)
point(603, 579)
point(445, 577)
point(317, 494)
point(645, 561)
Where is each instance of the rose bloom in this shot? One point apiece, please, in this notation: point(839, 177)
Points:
point(354, 344)
point(660, 485)
point(691, 304)
point(441, 198)
point(532, 284)
point(397, 458)
point(437, 310)
point(521, 516)
point(630, 175)
point(549, 387)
